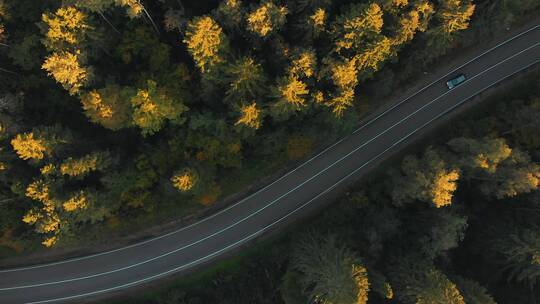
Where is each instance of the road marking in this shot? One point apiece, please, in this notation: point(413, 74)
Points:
point(277, 180)
point(448, 74)
point(255, 234)
point(277, 199)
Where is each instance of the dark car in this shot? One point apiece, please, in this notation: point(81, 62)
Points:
point(452, 83)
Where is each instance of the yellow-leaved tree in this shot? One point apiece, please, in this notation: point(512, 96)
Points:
point(67, 69)
point(292, 92)
point(304, 63)
point(267, 18)
point(429, 179)
point(66, 28)
point(80, 167)
point(358, 23)
point(40, 143)
point(109, 106)
point(455, 15)
point(206, 43)
point(317, 21)
point(153, 106)
point(185, 180)
point(250, 116)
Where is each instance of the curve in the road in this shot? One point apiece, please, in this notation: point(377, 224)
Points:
point(280, 178)
point(285, 175)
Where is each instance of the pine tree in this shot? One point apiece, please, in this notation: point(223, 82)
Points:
point(330, 272)
point(417, 281)
point(519, 255)
point(245, 80)
point(473, 293)
point(230, 14)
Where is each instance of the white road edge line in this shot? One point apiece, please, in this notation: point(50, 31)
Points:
point(277, 180)
point(243, 240)
point(275, 200)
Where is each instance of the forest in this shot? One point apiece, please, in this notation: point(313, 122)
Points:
point(125, 111)
point(118, 115)
point(453, 220)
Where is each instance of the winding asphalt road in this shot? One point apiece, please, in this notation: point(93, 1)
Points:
point(295, 192)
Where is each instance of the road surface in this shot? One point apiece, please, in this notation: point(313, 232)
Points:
point(294, 193)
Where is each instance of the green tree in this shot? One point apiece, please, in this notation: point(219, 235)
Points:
point(428, 179)
point(485, 153)
point(516, 175)
point(330, 272)
point(440, 231)
point(152, 107)
point(139, 47)
point(109, 107)
point(473, 293)
point(518, 254)
point(21, 52)
point(522, 123)
point(417, 281)
point(230, 14)
point(502, 171)
point(245, 81)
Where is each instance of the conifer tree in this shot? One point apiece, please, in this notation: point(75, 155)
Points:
point(245, 80)
point(330, 272)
